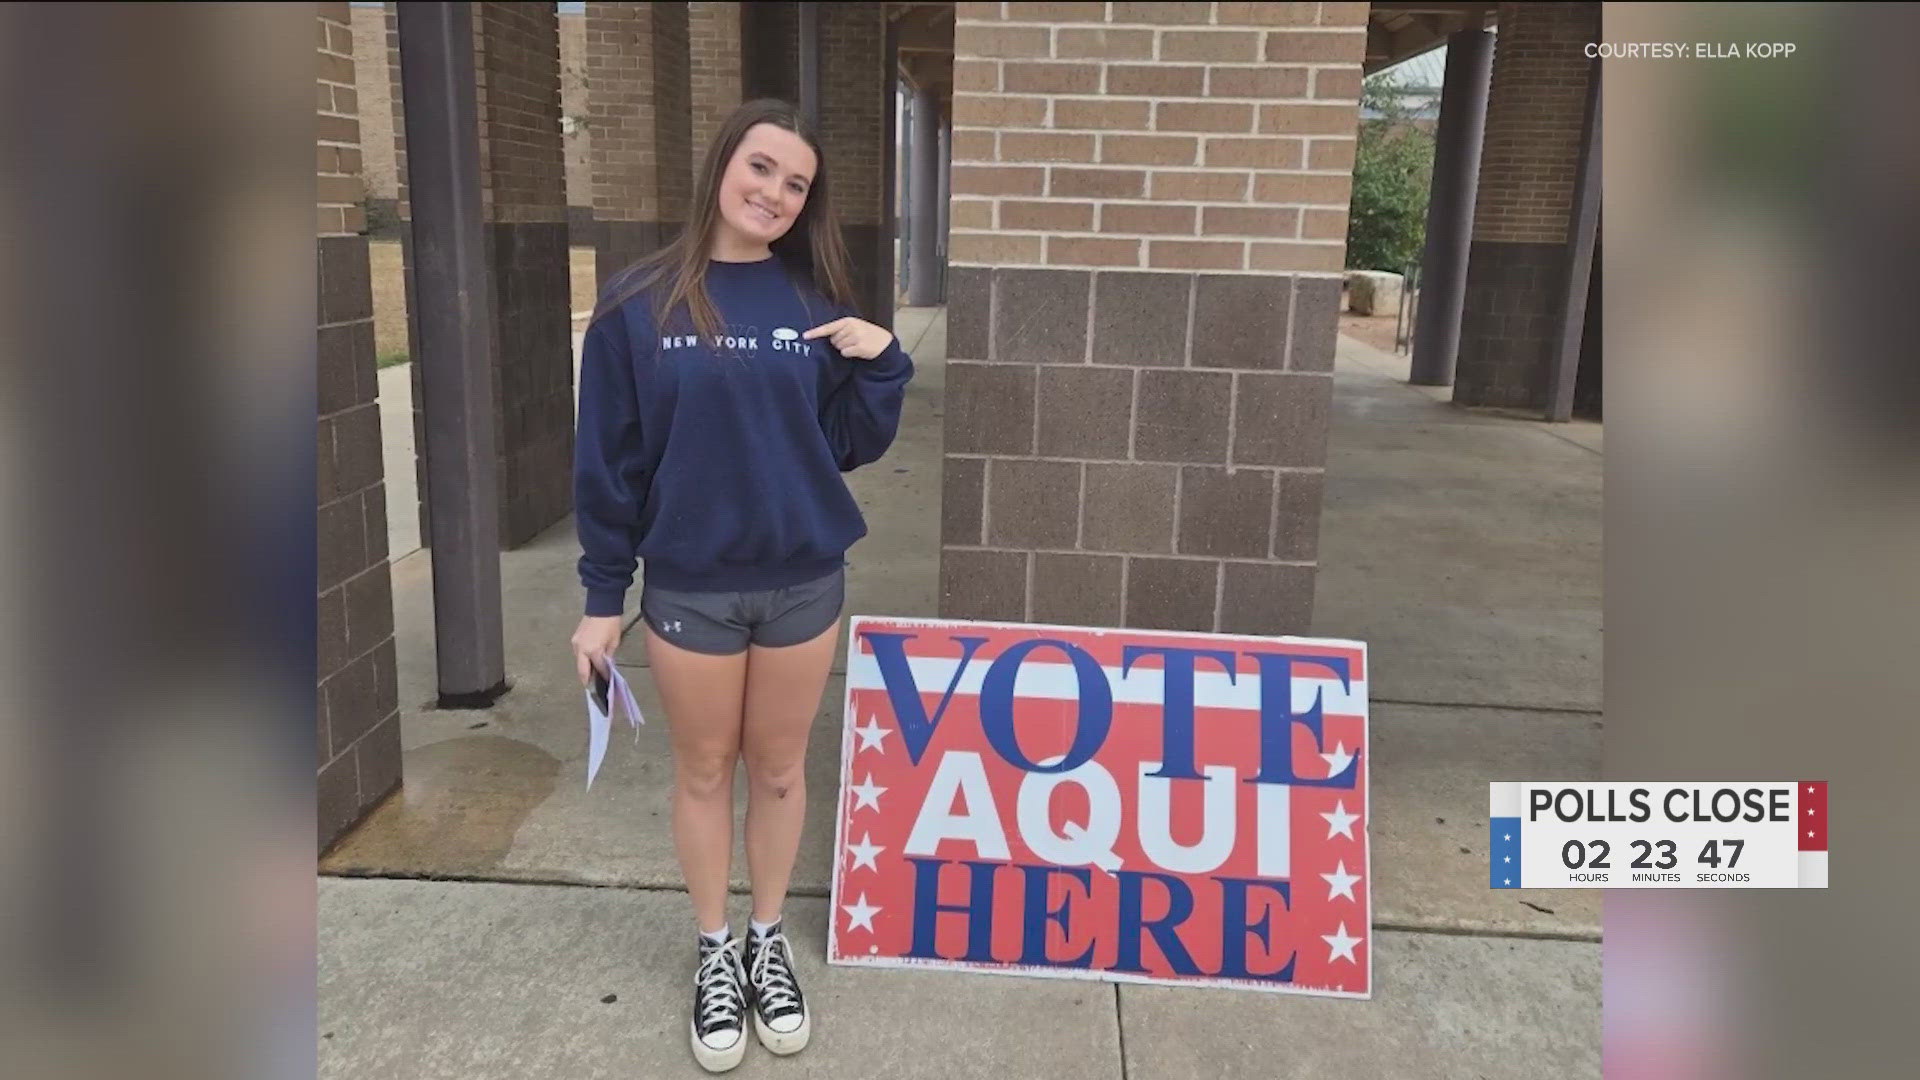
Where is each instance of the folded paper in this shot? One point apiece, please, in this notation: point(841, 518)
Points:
point(600, 724)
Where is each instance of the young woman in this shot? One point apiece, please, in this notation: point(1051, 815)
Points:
point(725, 386)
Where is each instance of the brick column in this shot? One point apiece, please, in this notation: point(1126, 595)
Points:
point(1516, 271)
point(637, 108)
point(524, 203)
point(1148, 227)
point(713, 48)
point(770, 50)
point(357, 696)
point(853, 134)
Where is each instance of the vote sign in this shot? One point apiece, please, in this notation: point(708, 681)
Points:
point(1139, 806)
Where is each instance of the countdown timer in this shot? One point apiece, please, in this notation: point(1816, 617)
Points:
point(1713, 835)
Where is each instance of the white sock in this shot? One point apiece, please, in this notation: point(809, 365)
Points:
point(718, 937)
point(762, 929)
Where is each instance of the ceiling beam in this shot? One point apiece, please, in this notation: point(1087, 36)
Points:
point(1411, 35)
point(1385, 9)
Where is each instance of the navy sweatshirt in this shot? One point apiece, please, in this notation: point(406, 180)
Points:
point(721, 467)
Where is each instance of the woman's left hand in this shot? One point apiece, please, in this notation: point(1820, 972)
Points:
point(856, 339)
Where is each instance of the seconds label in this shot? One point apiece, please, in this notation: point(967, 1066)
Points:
point(1713, 835)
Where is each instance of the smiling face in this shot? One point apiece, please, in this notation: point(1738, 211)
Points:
point(763, 189)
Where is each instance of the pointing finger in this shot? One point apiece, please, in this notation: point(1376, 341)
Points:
point(823, 329)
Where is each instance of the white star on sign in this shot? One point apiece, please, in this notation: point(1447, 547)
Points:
point(866, 793)
point(1341, 944)
point(864, 851)
point(1809, 811)
point(860, 913)
point(1340, 883)
point(1340, 822)
point(870, 736)
point(1506, 881)
point(1506, 858)
point(1337, 761)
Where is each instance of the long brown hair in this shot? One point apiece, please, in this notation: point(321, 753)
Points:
point(812, 248)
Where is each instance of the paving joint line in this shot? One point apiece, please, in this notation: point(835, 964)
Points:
point(1552, 434)
point(814, 892)
point(1568, 710)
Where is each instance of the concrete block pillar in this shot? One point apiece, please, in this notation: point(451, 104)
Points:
point(1142, 303)
point(854, 85)
point(638, 98)
point(357, 694)
point(713, 47)
point(1516, 276)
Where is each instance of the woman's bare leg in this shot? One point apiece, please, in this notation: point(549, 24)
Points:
point(704, 697)
point(782, 698)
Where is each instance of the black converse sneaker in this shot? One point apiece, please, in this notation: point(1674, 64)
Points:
point(779, 1011)
point(719, 1006)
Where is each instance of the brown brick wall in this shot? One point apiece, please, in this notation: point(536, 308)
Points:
point(1199, 133)
point(853, 104)
point(770, 50)
point(356, 699)
point(713, 48)
point(1149, 222)
point(637, 70)
point(853, 135)
point(338, 113)
point(1534, 109)
point(517, 77)
point(638, 101)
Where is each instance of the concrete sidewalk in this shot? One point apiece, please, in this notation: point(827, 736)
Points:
point(1463, 547)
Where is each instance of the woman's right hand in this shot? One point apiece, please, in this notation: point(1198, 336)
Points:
point(597, 635)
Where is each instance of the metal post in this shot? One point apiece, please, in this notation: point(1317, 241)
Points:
point(1456, 183)
point(1580, 238)
point(923, 213)
point(889, 170)
point(943, 199)
point(456, 362)
point(810, 63)
point(909, 183)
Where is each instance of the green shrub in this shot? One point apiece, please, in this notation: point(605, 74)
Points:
point(383, 218)
point(1392, 174)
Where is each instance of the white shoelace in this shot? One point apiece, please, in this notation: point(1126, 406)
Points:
point(773, 980)
point(720, 1000)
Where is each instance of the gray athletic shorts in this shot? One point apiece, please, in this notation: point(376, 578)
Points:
point(724, 623)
